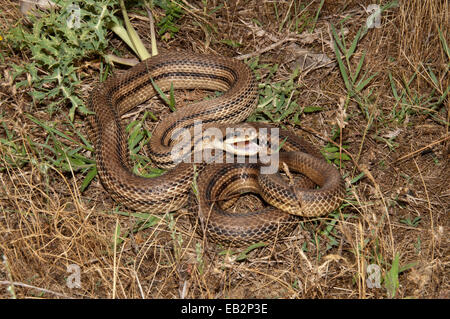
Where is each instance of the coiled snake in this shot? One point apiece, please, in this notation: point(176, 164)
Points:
point(171, 191)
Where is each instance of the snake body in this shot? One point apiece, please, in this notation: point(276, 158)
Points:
point(171, 191)
point(217, 183)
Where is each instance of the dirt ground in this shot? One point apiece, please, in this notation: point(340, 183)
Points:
point(395, 138)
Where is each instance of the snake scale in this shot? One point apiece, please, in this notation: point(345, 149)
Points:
point(173, 189)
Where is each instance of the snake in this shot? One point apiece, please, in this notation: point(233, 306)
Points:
point(172, 190)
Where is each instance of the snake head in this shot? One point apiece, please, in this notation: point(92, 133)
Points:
point(242, 140)
point(238, 140)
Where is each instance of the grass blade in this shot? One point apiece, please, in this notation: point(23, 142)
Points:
point(363, 84)
point(444, 43)
point(89, 177)
point(342, 68)
point(337, 39)
point(352, 48)
point(317, 15)
point(358, 68)
point(243, 255)
point(391, 280)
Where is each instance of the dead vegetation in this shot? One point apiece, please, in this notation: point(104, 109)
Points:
point(395, 213)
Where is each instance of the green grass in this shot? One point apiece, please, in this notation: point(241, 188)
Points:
point(65, 150)
point(56, 51)
point(409, 102)
point(411, 222)
point(354, 81)
point(167, 24)
point(391, 280)
point(277, 100)
point(242, 253)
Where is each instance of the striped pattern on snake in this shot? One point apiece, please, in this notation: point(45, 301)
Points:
point(170, 191)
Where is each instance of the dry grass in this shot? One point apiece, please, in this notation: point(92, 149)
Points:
point(46, 223)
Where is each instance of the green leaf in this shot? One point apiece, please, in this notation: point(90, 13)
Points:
point(364, 83)
point(433, 77)
point(407, 267)
point(331, 149)
point(337, 39)
point(89, 177)
point(358, 68)
point(317, 15)
point(51, 129)
point(444, 43)
point(352, 48)
point(391, 279)
point(357, 178)
point(172, 98)
point(163, 95)
point(393, 86)
point(136, 135)
point(342, 68)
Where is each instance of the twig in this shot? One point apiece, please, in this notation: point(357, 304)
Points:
point(193, 13)
point(139, 285)
point(111, 58)
point(369, 175)
point(115, 266)
point(423, 148)
point(15, 283)
point(429, 209)
point(268, 48)
point(288, 173)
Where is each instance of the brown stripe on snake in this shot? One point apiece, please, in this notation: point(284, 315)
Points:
point(218, 182)
point(162, 156)
point(170, 191)
point(160, 144)
point(123, 92)
point(142, 80)
point(182, 75)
